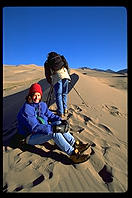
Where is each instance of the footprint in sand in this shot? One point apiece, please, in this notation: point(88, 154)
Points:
point(47, 169)
point(85, 118)
point(105, 128)
point(44, 171)
point(19, 166)
point(37, 181)
point(76, 108)
point(69, 116)
point(112, 110)
point(37, 163)
point(76, 128)
point(104, 149)
point(76, 111)
point(106, 174)
point(89, 122)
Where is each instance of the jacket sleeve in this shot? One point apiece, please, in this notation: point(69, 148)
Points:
point(44, 129)
point(65, 64)
point(47, 72)
point(51, 116)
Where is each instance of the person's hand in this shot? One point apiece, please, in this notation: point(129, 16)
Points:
point(64, 122)
point(61, 128)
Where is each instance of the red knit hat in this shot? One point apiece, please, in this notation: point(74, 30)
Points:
point(35, 88)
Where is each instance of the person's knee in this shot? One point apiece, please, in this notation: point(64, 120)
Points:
point(57, 136)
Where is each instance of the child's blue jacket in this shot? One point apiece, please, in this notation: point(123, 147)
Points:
point(28, 122)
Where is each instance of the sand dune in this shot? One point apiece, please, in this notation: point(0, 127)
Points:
point(97, 114)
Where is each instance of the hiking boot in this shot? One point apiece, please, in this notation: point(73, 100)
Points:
point(77, 157)
point(81, 147)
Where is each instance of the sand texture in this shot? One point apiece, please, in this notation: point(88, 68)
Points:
point(97, 104)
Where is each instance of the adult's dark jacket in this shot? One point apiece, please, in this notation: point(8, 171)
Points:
point(49, 72)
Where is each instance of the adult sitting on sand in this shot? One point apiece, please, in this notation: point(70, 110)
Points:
point(37, 124)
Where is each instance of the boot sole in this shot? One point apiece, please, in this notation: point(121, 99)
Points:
point(88, 151)
point(79, 162)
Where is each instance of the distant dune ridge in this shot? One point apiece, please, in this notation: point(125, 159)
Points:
point(97, 103)
point(122, 71)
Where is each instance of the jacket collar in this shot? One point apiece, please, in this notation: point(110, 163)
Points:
point(35, 105)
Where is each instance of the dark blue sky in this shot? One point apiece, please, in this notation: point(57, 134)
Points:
point(86, 36)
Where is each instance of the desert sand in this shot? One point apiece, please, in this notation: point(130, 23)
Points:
point(97, 104)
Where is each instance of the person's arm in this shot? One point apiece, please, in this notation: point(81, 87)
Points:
point(42, 128)
point(49, 114)
point(65, 64)
point(31, 122)
point(47, 73)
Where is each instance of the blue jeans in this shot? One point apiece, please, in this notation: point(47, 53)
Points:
point(64, 141)
point(61, 91)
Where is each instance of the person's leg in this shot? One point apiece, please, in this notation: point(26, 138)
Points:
point(65, 84)
point(62, 143)
point(58, 94)
point(57, 137)
point(38, 138)
point(69, 138)
point(67, 135)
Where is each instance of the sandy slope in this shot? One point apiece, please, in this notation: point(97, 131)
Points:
point(17, 78)
point(97, 114)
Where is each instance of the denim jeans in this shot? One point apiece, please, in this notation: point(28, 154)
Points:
point(61, 91)
point(64, 141)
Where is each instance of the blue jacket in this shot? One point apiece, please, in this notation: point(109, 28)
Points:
point(28, 122)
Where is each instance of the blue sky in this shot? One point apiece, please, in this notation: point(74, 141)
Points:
point(95, 37)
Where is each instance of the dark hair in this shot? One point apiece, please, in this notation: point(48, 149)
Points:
point(27, 98)
point(30, 95)
point(52, 54)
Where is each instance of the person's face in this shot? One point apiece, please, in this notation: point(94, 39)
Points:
point(36, 97)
